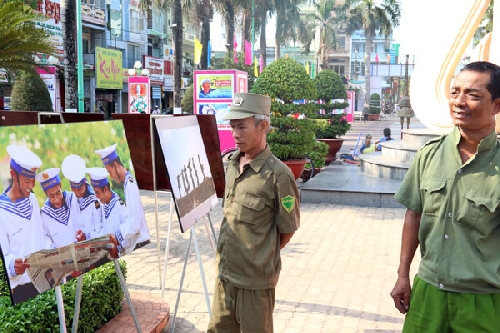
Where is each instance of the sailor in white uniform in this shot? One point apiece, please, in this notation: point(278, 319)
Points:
point(60, 213)
point(136, 219)
point(21, 229)
point(115, 212)
point(73, 168)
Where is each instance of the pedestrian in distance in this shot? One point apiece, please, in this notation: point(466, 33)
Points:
point(261, 214)
point(366, 112)
point(453, 207)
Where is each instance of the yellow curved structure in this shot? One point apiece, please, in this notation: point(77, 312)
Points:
point(450, 26)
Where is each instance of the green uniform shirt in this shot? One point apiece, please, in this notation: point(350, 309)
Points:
point(259, 204)
point(460, 225)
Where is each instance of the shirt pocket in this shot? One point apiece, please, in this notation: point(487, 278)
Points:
point(478, 211)
point(433, 190)
point(250, 209)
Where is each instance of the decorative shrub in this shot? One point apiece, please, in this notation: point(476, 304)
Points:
point(331, 126)
point(318, 155)
point(30, 94)
point(187, 103)
point(291, 138)
point(286, 81)
point(375, 103)
point(329, 86)
point(101, 298)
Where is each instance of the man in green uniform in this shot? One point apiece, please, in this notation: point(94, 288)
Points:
point(261, 214)
point(452, 194)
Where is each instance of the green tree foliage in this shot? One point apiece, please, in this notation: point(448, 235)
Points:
point(187, 103)
point(30, 94)
point(329, 86)
point(20, 38)
point(285, 80)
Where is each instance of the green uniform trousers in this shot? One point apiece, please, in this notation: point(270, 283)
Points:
point(236, 310)
point(433, 310)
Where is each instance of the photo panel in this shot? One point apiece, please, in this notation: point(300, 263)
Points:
point(69, 202)
point(192, 183)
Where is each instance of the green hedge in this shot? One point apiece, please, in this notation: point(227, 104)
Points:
point(101, 298)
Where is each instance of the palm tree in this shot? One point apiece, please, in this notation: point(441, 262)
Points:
point(287, 20)
point(20, 38)
point(372, 17)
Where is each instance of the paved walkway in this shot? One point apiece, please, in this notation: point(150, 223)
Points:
point(337, 272)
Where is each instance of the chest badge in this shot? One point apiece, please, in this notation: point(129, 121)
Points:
point(288, 203)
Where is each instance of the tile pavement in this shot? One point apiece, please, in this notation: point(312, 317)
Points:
point(337, 271)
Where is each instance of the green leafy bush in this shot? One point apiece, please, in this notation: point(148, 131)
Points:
point(291, 138)
point(375, 104)
point(286, 81)
point(318, 155)
point(331, 126)
point(30, 94)
point(101, 298)
point(329, 86)
point(187, 103)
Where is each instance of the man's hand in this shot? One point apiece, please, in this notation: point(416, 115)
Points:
point(401, 294)
point(20, 265)
point(114, 251)
point(80, 236)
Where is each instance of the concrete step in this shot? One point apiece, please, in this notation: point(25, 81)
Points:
point(398, 151)
point(417, 137)
point(374, 164)
point(346, 184)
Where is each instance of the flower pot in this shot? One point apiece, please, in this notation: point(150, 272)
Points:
point(373, 117)
point(306, 174)
point(334, 146)
point(297, 166)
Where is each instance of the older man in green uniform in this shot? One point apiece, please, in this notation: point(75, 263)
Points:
point(261, 214)
point(452, 194)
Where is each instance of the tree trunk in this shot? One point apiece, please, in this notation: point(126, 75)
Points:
point(280, 22)
point(247, 25)
point(229, 23)
point(205, 32)
point(177, 34)
point(368, 52)
point(263, 46)
point(68, 19)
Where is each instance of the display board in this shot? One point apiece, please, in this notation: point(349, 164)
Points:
point(60, 218)
point(191, 180)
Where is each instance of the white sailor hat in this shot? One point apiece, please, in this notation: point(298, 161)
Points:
point(23, 160)
point(73, 168)
point(98, 177)
point(49, 178)
point(205, 81)
point(107, 154)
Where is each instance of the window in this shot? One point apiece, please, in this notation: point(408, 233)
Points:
point(339, 69)
point(134, 54)
point(136, 21)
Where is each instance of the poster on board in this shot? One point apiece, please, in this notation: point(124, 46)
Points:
point(191, 180)
point(214, 86)
point(138, 94)
point(69, 203)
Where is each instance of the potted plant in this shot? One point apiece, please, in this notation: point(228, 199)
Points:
point(329, 129)
point(374, 107)
point(330, 126)
point(291, 140)
point(290, 89)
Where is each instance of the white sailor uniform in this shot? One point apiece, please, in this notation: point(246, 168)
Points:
point(136, 219)
point(91, 214)
point(61, 224)
point(21, 233)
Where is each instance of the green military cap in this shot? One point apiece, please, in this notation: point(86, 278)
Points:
point(246, 105)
